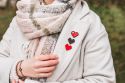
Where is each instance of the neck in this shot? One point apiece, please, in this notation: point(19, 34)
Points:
point(46, 2)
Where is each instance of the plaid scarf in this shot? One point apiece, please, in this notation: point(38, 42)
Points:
point(41, 24)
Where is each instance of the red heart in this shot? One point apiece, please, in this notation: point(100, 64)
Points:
point(68, 47)
point(74, 34)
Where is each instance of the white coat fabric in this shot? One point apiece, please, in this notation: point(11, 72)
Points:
point(87, 60)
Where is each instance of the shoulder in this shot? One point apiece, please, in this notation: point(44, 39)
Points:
point(13, 31)
point(10, 31)
point(90, 17)
point(96, 27)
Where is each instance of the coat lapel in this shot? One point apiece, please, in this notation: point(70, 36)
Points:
point(66, 55)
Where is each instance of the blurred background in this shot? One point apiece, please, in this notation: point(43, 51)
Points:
point(112, 13)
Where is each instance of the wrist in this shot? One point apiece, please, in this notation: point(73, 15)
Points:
point(19, 70)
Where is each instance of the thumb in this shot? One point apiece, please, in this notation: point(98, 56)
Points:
point(20, 81)
point(13, 81)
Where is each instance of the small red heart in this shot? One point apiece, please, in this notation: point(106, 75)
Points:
point(68, 47)
point(74, 34)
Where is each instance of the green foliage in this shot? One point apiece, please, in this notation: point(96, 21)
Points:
point(107, 2)
point(5, 18)
point(114, 19)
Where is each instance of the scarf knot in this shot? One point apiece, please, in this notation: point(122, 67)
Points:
point(41, 24)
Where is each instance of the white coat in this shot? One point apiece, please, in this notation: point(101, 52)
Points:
point(87, 60)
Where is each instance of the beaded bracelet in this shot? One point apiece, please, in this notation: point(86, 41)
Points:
point(20, 70)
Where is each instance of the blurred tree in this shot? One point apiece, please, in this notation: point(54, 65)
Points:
point(113, 17)
point(120, 3)
point(5, 3)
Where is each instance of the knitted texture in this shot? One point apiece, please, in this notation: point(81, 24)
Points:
point(41, 24)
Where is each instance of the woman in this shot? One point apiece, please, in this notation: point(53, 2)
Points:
point(55, 41)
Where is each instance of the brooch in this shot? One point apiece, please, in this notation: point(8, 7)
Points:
point(71, 40)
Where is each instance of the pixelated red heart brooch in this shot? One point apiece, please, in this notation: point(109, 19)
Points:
point(74, 34)
point(71, 41)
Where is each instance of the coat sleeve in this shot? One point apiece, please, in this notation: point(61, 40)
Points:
point(6, 61)
point(98, 63)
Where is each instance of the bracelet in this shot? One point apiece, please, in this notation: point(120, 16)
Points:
point(18, 67)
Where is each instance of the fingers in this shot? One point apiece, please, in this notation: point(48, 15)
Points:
point(45, 70)
point(48, 63)
point(13, 81)
point(44, 75)
point(39, 66)
point(46, 57)
point(20, 81)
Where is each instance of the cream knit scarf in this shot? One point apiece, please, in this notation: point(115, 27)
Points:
point(41, 24)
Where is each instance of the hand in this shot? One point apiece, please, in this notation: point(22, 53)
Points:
point(14, 81)
point(41, 66)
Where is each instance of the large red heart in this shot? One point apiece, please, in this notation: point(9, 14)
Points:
point(68, 47)
point(74, 34)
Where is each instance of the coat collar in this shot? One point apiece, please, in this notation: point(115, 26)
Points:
point(84, 10)
point(75, 24)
